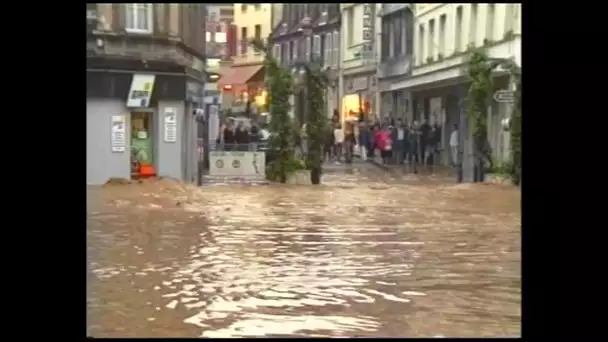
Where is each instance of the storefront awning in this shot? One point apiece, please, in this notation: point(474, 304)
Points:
point(239, 75)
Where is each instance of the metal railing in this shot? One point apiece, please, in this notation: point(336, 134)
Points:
point(214, 146)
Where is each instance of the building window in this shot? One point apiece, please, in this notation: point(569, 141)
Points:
point(350, 35)
point(276, 52)
point(138, 18)
point(431, 39)
point(244, 44)
point(324, 9)
point(226, 12)
point(490, 22)
point(336, 48)
point(385, 39)
point(316, 46)
point(326, 45)
point(509, 17)
point(458, 31)
point(243, 8)
point(293, 48)
point(257, 31)
point(283, 53)
point(473, 25)
point(442, 31)
point(257, 34)
point(398, 35)
point(421, 38)
point(308, 48)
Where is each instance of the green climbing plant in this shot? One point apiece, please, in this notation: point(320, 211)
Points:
point(279, 84)
point(316, 83)
point(479, 72)
point(515, 123)
point(481, 91)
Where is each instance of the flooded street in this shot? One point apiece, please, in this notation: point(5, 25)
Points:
point(365, 254)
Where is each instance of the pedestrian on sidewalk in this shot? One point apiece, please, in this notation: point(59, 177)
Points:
point(399, 136)
point(414, 144)
point(349, 141)
point(435, 143)
point(454, 142)
point(228, 137)
point(425, 135)
point(385, 144)
point(241, 137)
point(329, 143)
point(371, 147)
point(339, 142)
point(364, 139)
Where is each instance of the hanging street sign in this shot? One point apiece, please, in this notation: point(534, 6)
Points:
point(504, 96)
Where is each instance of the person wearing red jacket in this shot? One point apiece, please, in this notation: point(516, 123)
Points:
point(384, 143)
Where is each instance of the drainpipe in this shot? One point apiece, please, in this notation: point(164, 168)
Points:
point(200, 165)
point(340, 69)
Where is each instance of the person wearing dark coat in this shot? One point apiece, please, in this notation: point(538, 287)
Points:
point(242, 137)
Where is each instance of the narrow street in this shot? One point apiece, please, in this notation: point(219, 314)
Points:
point(368, 253)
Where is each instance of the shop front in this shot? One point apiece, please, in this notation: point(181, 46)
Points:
point(359, 98)
point(240, 87)
point(141, 124)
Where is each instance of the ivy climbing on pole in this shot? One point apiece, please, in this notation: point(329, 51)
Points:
point(479, 71)
point(316, 83)
point(279, 84)
point(515, 122)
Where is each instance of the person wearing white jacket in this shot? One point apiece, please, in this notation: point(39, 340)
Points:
point(454, 142)
point(339, 141)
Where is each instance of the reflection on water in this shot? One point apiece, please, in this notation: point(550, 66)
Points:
point(354, 257)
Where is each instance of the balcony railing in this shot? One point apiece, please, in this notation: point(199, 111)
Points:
point(395, 66)
point(390, 8)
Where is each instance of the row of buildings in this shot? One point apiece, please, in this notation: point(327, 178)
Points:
point(151, 66)
point(397, 60)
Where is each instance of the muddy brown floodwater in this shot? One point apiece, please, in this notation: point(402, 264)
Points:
point(362, 255)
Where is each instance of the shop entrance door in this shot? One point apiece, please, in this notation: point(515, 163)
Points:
point(143, 163)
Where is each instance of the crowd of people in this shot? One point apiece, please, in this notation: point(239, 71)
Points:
point(241, 136)
point(393, 141)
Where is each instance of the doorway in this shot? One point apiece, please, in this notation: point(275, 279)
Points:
point(142, 145)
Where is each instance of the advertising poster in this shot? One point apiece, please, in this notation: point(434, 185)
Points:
point(118, 133)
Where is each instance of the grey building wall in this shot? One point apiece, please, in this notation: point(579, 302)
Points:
point(169, 155)
point(102, 164)
point(176, 160)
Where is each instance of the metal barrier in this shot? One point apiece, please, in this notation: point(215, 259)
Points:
point(250, 147)
point(233, 161)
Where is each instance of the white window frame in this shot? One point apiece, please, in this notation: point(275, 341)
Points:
point(277, 52)
point(336, 48)
point(316, 43)
point(131, 11)
point(327, 49)
point(294, 52)
point(308, 48)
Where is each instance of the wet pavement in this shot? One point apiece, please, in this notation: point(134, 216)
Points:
point(368, 253)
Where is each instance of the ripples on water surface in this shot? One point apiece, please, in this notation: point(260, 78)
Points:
point(351, 258)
